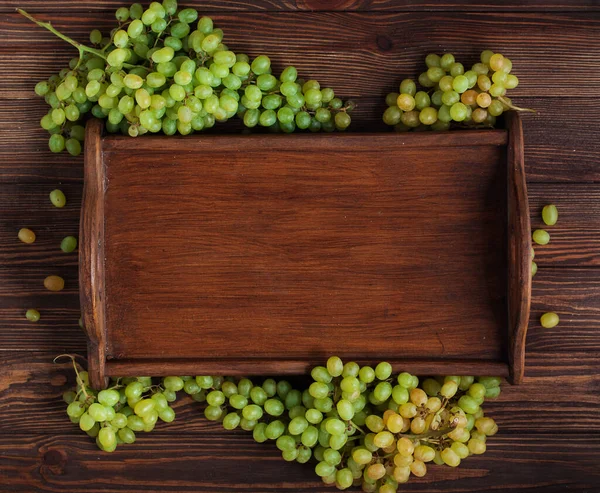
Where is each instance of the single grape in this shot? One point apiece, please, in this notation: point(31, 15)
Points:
point(541, 237)
point(32, 315)
point(26, 235)
point(54, 283)
point(405, 102)
point(550, 215)
point(549, 320)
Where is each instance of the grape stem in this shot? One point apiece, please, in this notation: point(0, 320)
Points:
point(72, 358)
point(513, 107)
point(80, 47)
point(46, 25)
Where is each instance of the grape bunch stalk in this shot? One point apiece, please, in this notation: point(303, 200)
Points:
point(164, 69)
point(451, 95)
point(362, 426)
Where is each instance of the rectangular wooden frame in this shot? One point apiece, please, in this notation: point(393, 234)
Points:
point(105, 361)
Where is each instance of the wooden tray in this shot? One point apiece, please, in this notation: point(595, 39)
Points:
point(265, 254)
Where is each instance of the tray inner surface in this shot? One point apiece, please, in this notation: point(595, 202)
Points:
point(302, 253)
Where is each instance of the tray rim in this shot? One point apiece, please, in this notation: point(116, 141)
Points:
point(91, 252)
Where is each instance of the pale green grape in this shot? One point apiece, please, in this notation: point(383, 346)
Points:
point(550, 215)
point(549, 320)
point(541, 237)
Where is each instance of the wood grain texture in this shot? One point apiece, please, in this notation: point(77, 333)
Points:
point(552, 154)
point(549, 428)
point(519, 248)
point(30, 398)
point(572, 292)
point(264, 6)
point(544, 462)
point(308, 245)
point(389, 46)
point(575, 238)
point(92, 288)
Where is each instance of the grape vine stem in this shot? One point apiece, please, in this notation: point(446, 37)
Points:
point(80, 47)
point(513, 107)
point(46, 25)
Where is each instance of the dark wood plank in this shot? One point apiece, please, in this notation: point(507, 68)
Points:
point(560, 291)
point(330, 44)
point(316, 240)
point(551, 153)
point(57, 331)
point(88, 6)
point(31, 389)
point(546, 463)
point(575, 238)
point(27, 205)
point(572, 292)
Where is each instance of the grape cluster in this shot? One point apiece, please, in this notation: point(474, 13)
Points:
point(363, 426)
point(168, 70)
point(471, 98)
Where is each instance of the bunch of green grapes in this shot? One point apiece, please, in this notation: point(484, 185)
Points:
point(168, 70)
point(363, 426)
point(474, 97)
point(290, 102)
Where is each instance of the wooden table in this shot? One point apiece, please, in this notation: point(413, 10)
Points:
point(549, 438)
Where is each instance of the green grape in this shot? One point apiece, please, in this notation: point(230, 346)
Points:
point(56, 143)
point(342, 120)
point(511, 81)
point(97, 412)
point(497, 90)
point(313, 96)
point(86, 422)
point(422, 100)
point(405, 102)
point(435, 74)
point(105, 397)
point(549, 320)
point(495, 108)
point(32, 315)
point(57, 197)
point(456, 69)
point(460, 84)
point(433, 60)
point(267, 118)
point(383, 371)
point(261, 65)
point(550, 215)
point(458, 112)
point(390, 99)
point(541, 237)
point(446, 61)
point(95, 36)
point(73, 147)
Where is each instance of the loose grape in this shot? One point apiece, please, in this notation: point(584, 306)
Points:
point(54, 283)
point(550, 215)
point(32, 315)
point(541, 237)
point(68, 244)
point(549, 320)
point(26, 235)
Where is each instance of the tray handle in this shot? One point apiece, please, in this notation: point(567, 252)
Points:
point(519, 250)
point(91, 254)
